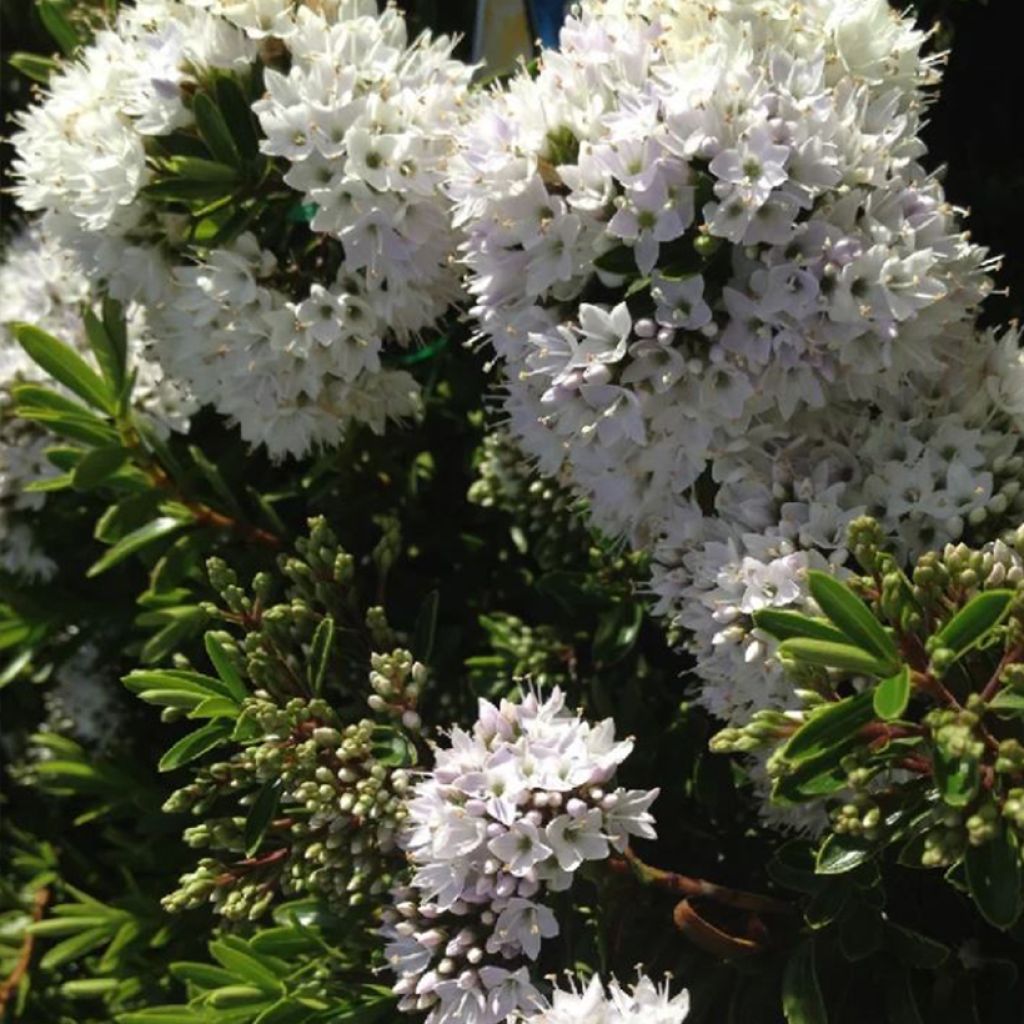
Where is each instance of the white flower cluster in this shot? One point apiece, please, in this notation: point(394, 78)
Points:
point(511, 809)
point(82, 151)
point(282, 333)
point(644, 1003)
point(933, 464)
point(40, 284)
point(701, 217)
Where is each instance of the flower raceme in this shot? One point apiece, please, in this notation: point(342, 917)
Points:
point(266, 177)
point(511, 809)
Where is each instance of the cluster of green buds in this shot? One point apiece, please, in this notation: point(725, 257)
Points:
point(543, 511)
point(520, 651)
point(908, 722)
point(311, 798)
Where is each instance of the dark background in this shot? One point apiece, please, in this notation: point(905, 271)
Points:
point(974, 130)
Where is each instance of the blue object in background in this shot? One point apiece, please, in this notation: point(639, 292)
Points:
point(546, 17)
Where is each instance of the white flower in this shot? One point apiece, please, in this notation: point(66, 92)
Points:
point(644, 1003)
point(576, 839)
point(508, 813)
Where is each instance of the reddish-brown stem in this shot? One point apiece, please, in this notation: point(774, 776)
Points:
point(1012, 655)
point(10, 986)
point(683, 885)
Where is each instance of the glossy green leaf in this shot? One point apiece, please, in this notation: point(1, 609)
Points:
point(1008, 700)
point(198, 169)
point(34, 66)
point(225, 667)
point(787, 625)
point(195, 744)
point(840, 853)
point(827, 654)
point(915, 949)
point(238, 116)
point(892, 695)
point(957, 778)
point(136, 541)
point(802, 1002)
point(978, 617)
point(262, 811)
point(59, 26)
point(320, 649)
point(76, 946)
point(97, 467)
point(214, 130)
point(853, 617)
point(900, 1003)
point(110, 357)
point(829, 727)
point(426, 627)
point(994, 878)
point(62, 363)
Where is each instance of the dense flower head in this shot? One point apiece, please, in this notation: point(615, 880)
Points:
point(511, 809)
point(702, 217)
point(593, 1004)
point(279, 311)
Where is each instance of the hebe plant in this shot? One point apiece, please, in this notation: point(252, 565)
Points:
point(909, 729)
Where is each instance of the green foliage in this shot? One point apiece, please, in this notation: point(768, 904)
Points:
point(924, 758)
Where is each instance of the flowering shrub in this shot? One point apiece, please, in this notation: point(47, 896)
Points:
point(467, 542)
point(265, 178)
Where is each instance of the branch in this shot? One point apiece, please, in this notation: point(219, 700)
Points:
point(683, 885)
point(10, 986)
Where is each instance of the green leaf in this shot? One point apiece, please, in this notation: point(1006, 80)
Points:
point(320, 655)
point(853, 617)
point(827, 904)
point(957, 778)
point(62, 363)
point(994, 878)
point(163, 1015)
point(426, 627)
point(97, 466)
point(915, 949)
point(201, 975)
point(617, 632)
point(1007, 700)
point(111, 358)
point(287, 1011)
point(34, 66)
point(840, 853)
point(195, 744)
point(78, 428)
point(136, 541)
point(900, 1003)
point(197, 169)
point(802, 1001)
point(56, 22)
point(234, 956)
point(860, 931)
point(829, 727)
point(237, 995)
point(184, 190)
point(827, 654)
point(238, 115)
point(225, 668)
point(75, 947)
point(892, 695)
point(175, 680)
point(262, 811)
point(977, 618)
point(215, 479)
point(214, 131)
point(128, 514)
point(116, 326)
point(787, 625)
